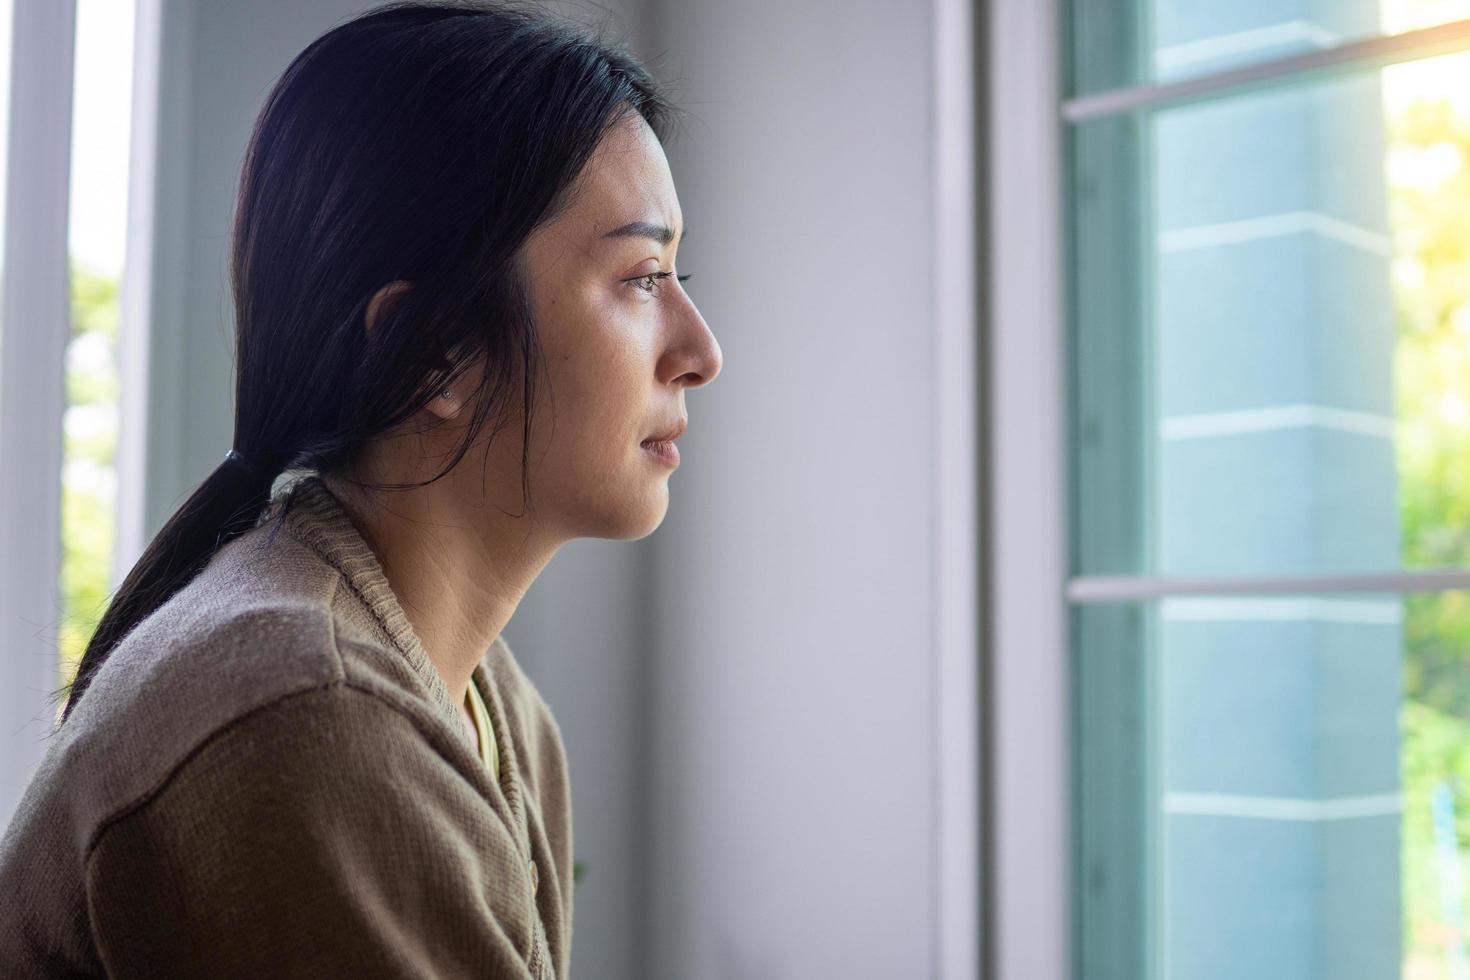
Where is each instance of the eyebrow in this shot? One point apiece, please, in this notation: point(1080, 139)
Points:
point(647, 229)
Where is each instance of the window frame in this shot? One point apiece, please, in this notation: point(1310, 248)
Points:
point(1026, 819)
point(35, 326)
point(956, 519)
point(36, 290)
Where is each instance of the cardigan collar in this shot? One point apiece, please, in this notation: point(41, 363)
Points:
point(317, 517)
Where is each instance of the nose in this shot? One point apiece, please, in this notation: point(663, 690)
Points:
point(697, 353)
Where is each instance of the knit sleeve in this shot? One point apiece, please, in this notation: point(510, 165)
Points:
point(323, 835)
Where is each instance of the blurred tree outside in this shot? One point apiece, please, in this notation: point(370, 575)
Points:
point(88, 480)
point(1429, 184)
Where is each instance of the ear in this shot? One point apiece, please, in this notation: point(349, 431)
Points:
point(382, 299)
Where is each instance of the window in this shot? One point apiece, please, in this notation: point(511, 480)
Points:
point(70, 417)
point(101, 101)
point(1268, 233)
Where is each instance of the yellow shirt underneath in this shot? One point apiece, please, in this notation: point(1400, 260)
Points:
point(489, 751)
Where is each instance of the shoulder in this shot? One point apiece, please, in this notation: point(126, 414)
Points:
point(309, 760)
point(260, 611)
point(254, 629)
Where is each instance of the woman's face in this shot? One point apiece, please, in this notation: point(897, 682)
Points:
point(621, 347)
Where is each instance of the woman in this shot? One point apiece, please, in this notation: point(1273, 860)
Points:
point(298, 745)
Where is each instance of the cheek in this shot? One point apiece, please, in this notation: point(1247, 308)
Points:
point(597, 359)
point(599, 399)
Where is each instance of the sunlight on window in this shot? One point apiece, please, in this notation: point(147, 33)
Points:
point(1397, 16)
point(1427, 116)
point(99, 182)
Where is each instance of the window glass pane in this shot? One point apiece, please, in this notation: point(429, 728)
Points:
point(101, 119)
point(1271, 330)
point(1273, 787)
point(1121, 43)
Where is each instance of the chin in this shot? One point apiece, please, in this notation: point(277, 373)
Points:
point(651, 522)
point(639, 518)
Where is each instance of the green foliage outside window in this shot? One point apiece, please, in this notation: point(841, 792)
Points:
point(89, 479)
point(1431, 221)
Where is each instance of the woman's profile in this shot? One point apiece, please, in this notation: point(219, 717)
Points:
point(298, 744)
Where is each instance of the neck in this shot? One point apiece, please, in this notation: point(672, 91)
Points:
point(458, 569)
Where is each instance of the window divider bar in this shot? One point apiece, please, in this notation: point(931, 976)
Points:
point(1123, 588)
point(135, 299)
point(957, 370)
point(1371, 53)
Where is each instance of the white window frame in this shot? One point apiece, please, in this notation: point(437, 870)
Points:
point(35, 327)
point(1026, 815)
point(135, 296)
point(956, 528)
point(1028, 592)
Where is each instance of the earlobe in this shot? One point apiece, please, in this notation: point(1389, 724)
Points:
point(461, 387)
point(445, 404)
point(378, 305)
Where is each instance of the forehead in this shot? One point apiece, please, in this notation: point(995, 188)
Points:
point(626, 179)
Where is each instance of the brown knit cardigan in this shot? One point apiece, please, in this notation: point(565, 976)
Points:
point(268, 778)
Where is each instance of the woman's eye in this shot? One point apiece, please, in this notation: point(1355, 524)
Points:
point(650, 282)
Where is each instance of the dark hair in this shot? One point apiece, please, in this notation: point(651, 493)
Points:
point(419, 141)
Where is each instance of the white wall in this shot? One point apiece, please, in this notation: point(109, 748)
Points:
point(766, 667)
point(797, 763)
